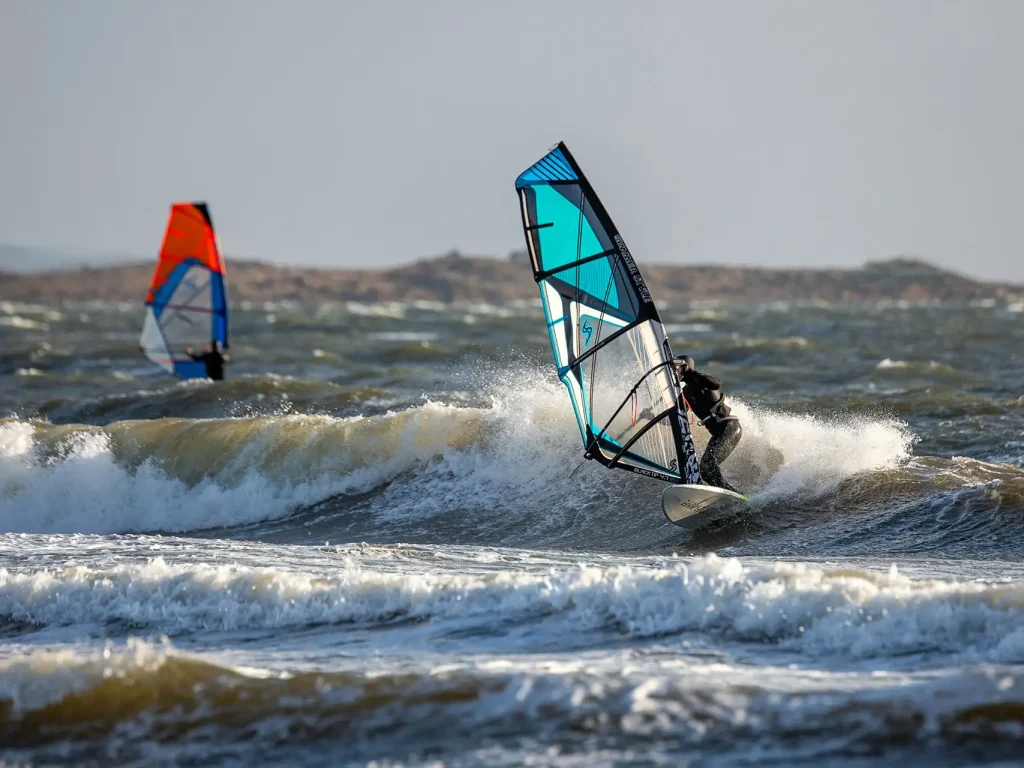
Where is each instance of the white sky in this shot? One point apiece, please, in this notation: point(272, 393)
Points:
point(370, 133)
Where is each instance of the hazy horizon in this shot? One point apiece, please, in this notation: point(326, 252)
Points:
point(60, 262)
point(333, 134)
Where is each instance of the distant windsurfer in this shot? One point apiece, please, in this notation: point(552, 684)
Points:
point(213, 357)
point(704, 395)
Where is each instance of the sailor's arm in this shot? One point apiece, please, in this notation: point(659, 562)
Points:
point(702, 380)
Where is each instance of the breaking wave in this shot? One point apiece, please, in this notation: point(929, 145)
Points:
point(516, 455)
point(182, 474)
point(150, 696)
point(834, 613)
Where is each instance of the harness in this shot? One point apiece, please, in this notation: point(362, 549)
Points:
point(716, 415)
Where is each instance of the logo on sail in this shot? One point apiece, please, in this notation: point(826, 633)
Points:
point(587, 330)
point(627, 259)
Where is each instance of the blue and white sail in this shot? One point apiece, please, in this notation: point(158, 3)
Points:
point(609, 343)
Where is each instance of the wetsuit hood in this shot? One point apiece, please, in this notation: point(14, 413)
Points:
point(684, 363)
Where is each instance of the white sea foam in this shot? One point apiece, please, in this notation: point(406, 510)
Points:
point(532, 445)
point(404, 336)
point(804, 455)
point(392, 309)
point(31, 681)
point(677, 328)
point(23, 323)
point(493, 310)
point(823, 612)
point(928, 365)
point(19, 308)
point(501, 462)
point(124, 478)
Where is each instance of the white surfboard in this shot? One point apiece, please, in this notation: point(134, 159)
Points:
point(691, 506)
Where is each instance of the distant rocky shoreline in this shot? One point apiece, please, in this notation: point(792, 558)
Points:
point(457, 278)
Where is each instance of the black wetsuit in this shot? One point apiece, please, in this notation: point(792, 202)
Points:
point(704, 394)
point(214, 362)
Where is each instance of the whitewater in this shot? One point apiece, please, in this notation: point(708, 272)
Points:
point(378, 541)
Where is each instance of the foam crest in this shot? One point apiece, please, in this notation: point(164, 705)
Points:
point(181, 475)
point(907, 365)
point(535, 440)
point(32, 681)
point(527, 477)
point(784, 454)
point(847, 613)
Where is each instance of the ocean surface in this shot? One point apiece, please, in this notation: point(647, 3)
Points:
point(369, 546)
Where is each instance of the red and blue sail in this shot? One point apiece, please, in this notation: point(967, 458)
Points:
point(186, 305)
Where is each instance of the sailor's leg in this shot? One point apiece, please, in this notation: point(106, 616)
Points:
point(722, 443)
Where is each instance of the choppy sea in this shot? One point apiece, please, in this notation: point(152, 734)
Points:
point(369, 545)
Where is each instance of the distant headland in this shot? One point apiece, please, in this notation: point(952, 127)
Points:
point(454, 277)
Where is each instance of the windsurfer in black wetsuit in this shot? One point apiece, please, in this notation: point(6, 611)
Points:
point(213, 358)
point(704, 395)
